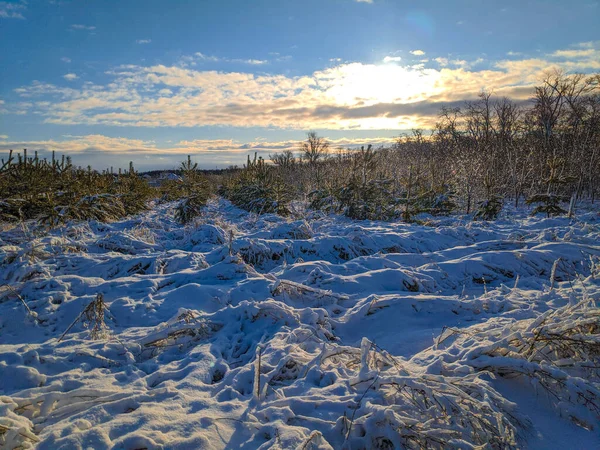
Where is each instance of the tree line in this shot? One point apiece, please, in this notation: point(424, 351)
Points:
point(479, 156)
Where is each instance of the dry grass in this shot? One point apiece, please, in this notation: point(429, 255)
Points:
point(92, 318)
point(558, 352)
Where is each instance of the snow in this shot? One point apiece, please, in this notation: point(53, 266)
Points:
point(245, 331)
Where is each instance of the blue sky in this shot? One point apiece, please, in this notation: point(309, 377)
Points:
point(110, 81)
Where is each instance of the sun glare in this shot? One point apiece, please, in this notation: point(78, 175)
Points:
point(360, 84)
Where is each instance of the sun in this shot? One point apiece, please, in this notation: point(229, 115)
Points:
point(361, 86)
point(368, 84)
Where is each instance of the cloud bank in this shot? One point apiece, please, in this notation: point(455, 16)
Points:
point(348, 96)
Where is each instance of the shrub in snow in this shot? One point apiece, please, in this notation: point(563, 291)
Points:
point(439, 202)
point(101, 207)
point(324, 200)
point(368, 200)
point(293, 230)
point(192, 190)
point(258, 189)
point(56, 192)
point(548, 204)
point(190, 207)
point(488, 209)
point(363, 194)
point(258, 253)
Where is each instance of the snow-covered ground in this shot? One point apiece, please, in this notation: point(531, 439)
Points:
point(364, 334)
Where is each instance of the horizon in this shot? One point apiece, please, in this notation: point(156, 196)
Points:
point(109, 83)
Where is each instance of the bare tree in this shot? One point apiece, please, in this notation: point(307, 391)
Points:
point(315, 150)
point(549, 101)
point(285, 159)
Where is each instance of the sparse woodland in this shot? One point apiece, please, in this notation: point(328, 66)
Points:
point(489, 151)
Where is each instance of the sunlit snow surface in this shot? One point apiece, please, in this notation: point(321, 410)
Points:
point(344, 315)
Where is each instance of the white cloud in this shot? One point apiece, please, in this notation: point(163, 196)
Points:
point(12, 10)
point(254, 62)
point(70, 77)
point(344, 96)
point(417, 52)
point(3, 136)
point(589, 44)
point(364, 1)
point(210, 58)
point(98, 142)
point(574, 54)
point(441, 61)
point(207, 57)
point(388, 59)
point(82, 27)
point(78, 144)
point(65, 59)
point(143, 41)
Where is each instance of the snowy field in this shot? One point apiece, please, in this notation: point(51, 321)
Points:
point(263, 332)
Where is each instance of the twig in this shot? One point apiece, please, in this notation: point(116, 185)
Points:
point(553, 274)
point(75, 321)
point(257, 374)
point(356, 409)
point(99, 300)
point(320, 292)
point(31, 313)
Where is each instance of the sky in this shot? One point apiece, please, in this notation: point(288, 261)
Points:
point(109, 81)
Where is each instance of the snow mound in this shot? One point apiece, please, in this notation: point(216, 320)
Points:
point(240, 331)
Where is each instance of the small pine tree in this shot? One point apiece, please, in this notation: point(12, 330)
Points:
point(257, 188)
point(549, 202)
point(193, 192)
point(490, 208)
point(443, 201)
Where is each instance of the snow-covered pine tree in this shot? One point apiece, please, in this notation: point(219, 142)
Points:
point(194, 192)
point(549, 202)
